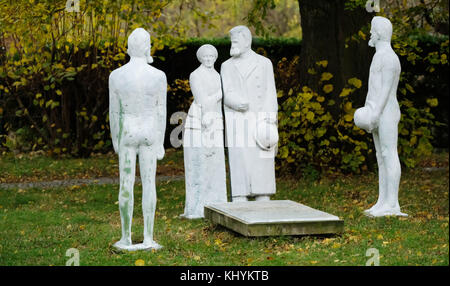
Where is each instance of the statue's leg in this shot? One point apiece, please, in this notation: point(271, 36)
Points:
point(127, 166)
point(389, 138)
point(147, 166)
point(382, 173)
point(388, 132)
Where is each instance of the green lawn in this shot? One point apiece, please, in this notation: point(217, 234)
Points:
point(25, 168)
point(38, 226)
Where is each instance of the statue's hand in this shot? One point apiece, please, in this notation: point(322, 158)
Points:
point(242, 106)
point(236, 103)
point(206, 122)
point(160, 152)
point(218, 95)
point(270, 120)
point(373, 124)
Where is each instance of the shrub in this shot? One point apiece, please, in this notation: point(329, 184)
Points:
point(314, 135)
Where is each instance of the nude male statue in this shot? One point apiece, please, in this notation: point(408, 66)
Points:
point(380, 116)
point(137, 113)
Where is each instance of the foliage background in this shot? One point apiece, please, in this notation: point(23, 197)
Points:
point(54, 67)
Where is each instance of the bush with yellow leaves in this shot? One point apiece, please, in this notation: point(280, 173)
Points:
point(312, 136)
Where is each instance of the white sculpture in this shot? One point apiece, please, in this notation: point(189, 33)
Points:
point(380, 116)
point(250, 105)
point(204, 158)
point(137, 115)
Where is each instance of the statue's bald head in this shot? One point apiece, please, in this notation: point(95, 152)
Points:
point(383, 27)
point(139, 44)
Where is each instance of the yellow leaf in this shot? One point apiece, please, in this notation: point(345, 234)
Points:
point(328, 88)
point(348, 117)
point(410, 88)
point(310, 115)
point(345, 92)
point(323, 63)
point(433, 102)
point(348, 106)
point(326, 76)
point(355, 82)
point(361, 34)
point(311, 71)
point(336, 245)
point(139, 262)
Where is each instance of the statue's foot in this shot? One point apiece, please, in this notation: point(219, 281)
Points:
point(239, 199)
point(191, 216)
point(262, 198)
point(140, 246)
point(374, 208)
point(386, 211)
point(148, 245)
point(123, 244)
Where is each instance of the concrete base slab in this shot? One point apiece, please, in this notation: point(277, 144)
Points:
point(273, 218)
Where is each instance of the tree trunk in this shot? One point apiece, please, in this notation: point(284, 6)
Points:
point(327, 30)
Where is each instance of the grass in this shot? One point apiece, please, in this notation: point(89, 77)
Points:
point(33, 167)
point(37, 226)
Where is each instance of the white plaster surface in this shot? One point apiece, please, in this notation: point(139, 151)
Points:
point(204, 157)
point(137, 112)
point(381, 115)
point(250, 99)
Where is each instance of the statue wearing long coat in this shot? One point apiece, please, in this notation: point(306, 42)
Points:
point(252, 169)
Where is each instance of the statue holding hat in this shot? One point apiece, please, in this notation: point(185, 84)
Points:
point(250, 106)
point(381, 115)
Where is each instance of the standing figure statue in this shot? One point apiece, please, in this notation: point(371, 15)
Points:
point(250, 105)
point(204, 158)
point(137, 112)
point(381, 115)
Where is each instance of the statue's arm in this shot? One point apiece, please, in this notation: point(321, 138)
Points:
point(162, 114)
point(218, 95)
point(200, 96)
point(230, 99)
point(271, 103)
point(114, 113)
point(388, 72)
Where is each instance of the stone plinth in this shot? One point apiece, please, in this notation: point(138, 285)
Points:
point(273, 218)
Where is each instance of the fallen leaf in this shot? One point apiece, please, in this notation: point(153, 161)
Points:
point(139, 262)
